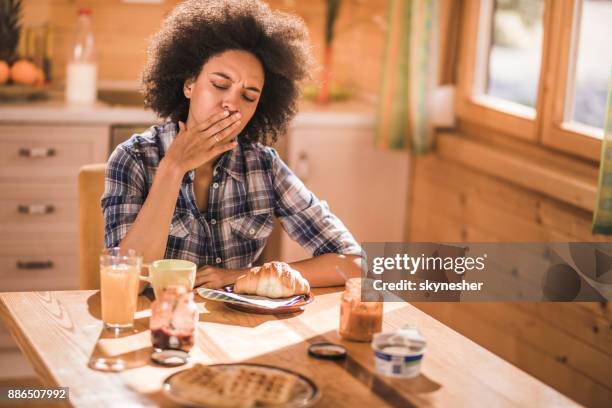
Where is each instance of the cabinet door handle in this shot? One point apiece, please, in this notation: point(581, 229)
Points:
point(34, 264)
point(35, 209)
point(37, 152)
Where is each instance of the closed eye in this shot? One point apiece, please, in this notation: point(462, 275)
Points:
point(246, 98)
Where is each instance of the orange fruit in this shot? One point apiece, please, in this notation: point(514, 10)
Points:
point(4, 72)
point(24, 72)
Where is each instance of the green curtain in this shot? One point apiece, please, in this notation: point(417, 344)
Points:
point(602, 217)
point(408, 76)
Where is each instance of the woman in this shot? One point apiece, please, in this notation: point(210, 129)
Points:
point(203, 186)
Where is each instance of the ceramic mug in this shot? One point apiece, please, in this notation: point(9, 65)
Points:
point(166, 272)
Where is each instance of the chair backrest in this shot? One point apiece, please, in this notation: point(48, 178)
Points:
point(91, 224)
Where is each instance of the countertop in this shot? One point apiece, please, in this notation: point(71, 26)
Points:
point(56, 111)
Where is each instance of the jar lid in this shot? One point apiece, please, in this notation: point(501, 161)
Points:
point(170, 358)
point(327, 351)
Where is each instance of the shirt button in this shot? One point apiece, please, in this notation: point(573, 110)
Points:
point(216, 185)
point(218, 260)
point(252, 231)
point(213, 221)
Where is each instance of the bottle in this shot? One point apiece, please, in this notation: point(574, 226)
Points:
point(82, 71)
point(359, 320)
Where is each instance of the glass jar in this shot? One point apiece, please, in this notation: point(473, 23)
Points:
point(174, 318)
point(359, 320)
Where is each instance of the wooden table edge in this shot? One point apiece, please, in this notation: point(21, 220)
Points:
point(24, 344)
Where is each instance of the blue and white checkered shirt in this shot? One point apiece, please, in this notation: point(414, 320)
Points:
point(250, 184)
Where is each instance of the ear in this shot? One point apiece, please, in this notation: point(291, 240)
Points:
point(187, 88)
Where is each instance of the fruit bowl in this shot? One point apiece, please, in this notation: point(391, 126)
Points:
point(17, 93)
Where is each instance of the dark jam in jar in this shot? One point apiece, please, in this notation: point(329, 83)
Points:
point(174, 319)
point(164, 340)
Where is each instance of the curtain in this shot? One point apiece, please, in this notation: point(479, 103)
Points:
point(408, 76)
point(602, 217)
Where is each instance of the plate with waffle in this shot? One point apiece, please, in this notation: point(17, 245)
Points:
point(241, 385)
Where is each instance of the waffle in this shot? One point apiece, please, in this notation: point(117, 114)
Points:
point(241, 387)
point(204, 385)
point(266, 386)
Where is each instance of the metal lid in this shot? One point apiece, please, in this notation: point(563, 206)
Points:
point(170, 358)
point(327, 351)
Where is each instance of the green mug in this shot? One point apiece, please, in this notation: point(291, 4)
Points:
point(167, 272)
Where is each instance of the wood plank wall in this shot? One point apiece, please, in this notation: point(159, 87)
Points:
point(121, 31)
point(566, 345)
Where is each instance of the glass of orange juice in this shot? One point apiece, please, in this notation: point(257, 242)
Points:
point(119, 279)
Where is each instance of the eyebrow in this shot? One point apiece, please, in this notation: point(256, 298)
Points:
point(250, 88)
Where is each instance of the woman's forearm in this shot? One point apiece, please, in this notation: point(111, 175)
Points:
point(319, 271)
point(149, 232)
point(323, 270)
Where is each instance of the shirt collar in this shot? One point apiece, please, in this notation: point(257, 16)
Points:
point(231, 162)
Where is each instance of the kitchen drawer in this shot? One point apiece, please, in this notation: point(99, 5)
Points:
point(31, 210)
point(38, 191)
point(38, 208)
point(38, 272)
point(50, 153)
point(30, 215)
point(41, 242)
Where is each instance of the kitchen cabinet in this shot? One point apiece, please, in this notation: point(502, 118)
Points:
point(334, 155)
point(39, 165)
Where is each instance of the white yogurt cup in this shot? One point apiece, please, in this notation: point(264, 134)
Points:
point(399, 354)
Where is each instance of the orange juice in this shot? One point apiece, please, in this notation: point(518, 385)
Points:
point(119, 287)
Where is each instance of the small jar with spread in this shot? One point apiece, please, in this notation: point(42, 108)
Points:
point(359, 320)
point(399, 353)
point(174, 319)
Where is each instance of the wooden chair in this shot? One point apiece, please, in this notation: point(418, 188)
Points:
point(91, 224)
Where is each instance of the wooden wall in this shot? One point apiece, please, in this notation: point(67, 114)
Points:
point(566, 345)
point(122, 30)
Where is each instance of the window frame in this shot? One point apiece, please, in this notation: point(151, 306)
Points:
point(577, 139)
point(546, 126)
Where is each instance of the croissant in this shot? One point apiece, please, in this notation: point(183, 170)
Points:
point(273, 280)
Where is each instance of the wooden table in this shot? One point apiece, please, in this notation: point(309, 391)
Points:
point(60, 331)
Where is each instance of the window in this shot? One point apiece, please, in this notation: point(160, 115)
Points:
point(590, 63)
point(537, 70)
point(513, 40)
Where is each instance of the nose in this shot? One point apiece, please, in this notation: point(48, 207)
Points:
point(229, 103)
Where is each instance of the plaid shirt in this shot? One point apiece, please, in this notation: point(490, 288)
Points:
point(250, 184)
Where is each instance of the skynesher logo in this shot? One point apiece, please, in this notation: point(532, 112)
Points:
point(413, 264)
